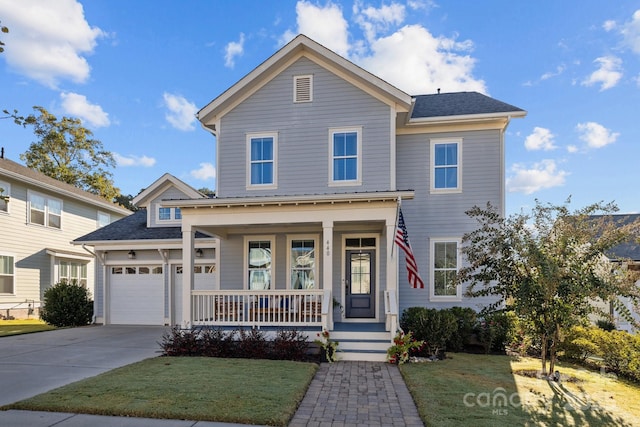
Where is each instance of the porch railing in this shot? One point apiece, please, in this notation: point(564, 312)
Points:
point(259, 308)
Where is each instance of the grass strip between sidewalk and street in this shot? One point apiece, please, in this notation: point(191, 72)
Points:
point(23, 326)
point(486, 390)
point(249, 391)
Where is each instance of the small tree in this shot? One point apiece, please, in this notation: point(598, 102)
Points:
point(548, 267)
point(67, 304)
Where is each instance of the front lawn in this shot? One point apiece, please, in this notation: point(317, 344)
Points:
point(250, 391)
point(23, 326)
point(483, 390)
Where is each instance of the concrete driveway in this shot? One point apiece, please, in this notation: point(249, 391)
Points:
point(31, 364)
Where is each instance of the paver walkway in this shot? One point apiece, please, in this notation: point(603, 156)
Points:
point(357, 394)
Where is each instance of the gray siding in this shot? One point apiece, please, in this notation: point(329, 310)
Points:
point(443, 215)
point(303, 134)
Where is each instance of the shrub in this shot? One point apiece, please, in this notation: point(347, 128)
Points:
point(606, 325)
point(492, 331)
point(215, 342)
point(434, 327)
point(251, 344)
point(181, 342)
point(289, 345)
point(466, 320)
point(67, 304)
point(403, 345)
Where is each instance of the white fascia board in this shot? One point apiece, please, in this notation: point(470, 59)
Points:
point(467, 118)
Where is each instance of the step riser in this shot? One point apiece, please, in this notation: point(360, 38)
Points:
point(360, 336)
point(364, 345)
point(362, 357)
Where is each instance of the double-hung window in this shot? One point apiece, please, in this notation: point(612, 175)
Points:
point(45, 210)
point(302, 262)
point(446, 165)
point(445, 261)
point(6, 274)
point(262, 153)
point(103, 219)
point(346, 158)
point(259, 256)
point(5, 192)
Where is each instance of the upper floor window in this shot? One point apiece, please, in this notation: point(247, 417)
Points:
point(103, 219)
point(5, 192)
point(169, 214)
point(303, 88)
point(262, 163)
point(44, 210)
point(302, 262)
point(259, 256)
point(6, 274)
point(345, 156)
point(444, 267)
point(446, 167)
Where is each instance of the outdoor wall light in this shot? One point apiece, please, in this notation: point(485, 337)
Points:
point(132, 254)
point(198, 253)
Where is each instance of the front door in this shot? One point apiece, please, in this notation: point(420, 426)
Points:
point(360, 284)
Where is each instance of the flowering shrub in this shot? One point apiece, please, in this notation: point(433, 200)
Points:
point(329, 347)
point(400, 351)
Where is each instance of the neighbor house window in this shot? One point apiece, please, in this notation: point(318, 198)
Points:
point(302, 261)
point(72, 272)
point(446, 167)
point(45, 210)
point(259, 265)
point(444, 266)
point(262, 160)
point(169, 214)
point(6, 274)
point(103, 219)
point(345, 156)
point(5, 193)
point(303, 88)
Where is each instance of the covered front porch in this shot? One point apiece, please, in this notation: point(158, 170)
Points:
point(297, 262)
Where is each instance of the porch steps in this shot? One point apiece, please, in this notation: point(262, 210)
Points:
point(361, 342)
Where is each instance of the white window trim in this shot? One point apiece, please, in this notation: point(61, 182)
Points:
point(272, 240)
point(274, 185)
point(30, 194)
point(316, 240)
point(172, 220)
point(70, 262)
point(106, 214)
point(432, 295)
point(358, 180)
point(7, 193)
point(295, 88)
point(15, 272)
point(432, 165)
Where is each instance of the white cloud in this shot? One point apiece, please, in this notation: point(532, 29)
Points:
point(631, 32)
point(409, 56)
point(559, 70)
point(608, 75)
point(233, 50)
point(205, 172)
point(572, 149)
point(540, 176)
point(132, 160)
point(182, 113)
point(609, 25)
point(78, 106)
point(48, 39)
point(596, 135)
point(540, 139)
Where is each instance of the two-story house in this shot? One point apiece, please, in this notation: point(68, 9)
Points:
point(314, 157)
point(39, 216)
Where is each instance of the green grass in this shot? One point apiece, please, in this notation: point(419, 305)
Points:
point(467, 389)
point(246, 391)
point(24, 326)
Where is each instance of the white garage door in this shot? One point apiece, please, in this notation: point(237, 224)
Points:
point(137, 295)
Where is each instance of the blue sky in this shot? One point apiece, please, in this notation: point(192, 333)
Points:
point(136, 72)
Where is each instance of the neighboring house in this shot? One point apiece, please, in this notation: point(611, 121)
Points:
point(140, 279)
point(628, 254)
point(39, 216)
point(314, 156)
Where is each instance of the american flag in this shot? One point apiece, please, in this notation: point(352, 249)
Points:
point(402, 240)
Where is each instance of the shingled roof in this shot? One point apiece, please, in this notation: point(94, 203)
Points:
point(629, 250)
point(134, 227)
point(459, 104)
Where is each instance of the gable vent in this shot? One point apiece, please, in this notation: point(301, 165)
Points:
point(302, 89)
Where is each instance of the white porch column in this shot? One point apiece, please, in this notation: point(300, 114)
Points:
point(327, 266)
point(188, 238)
point(392, 269)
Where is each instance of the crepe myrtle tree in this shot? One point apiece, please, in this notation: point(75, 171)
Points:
point(548, 266)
